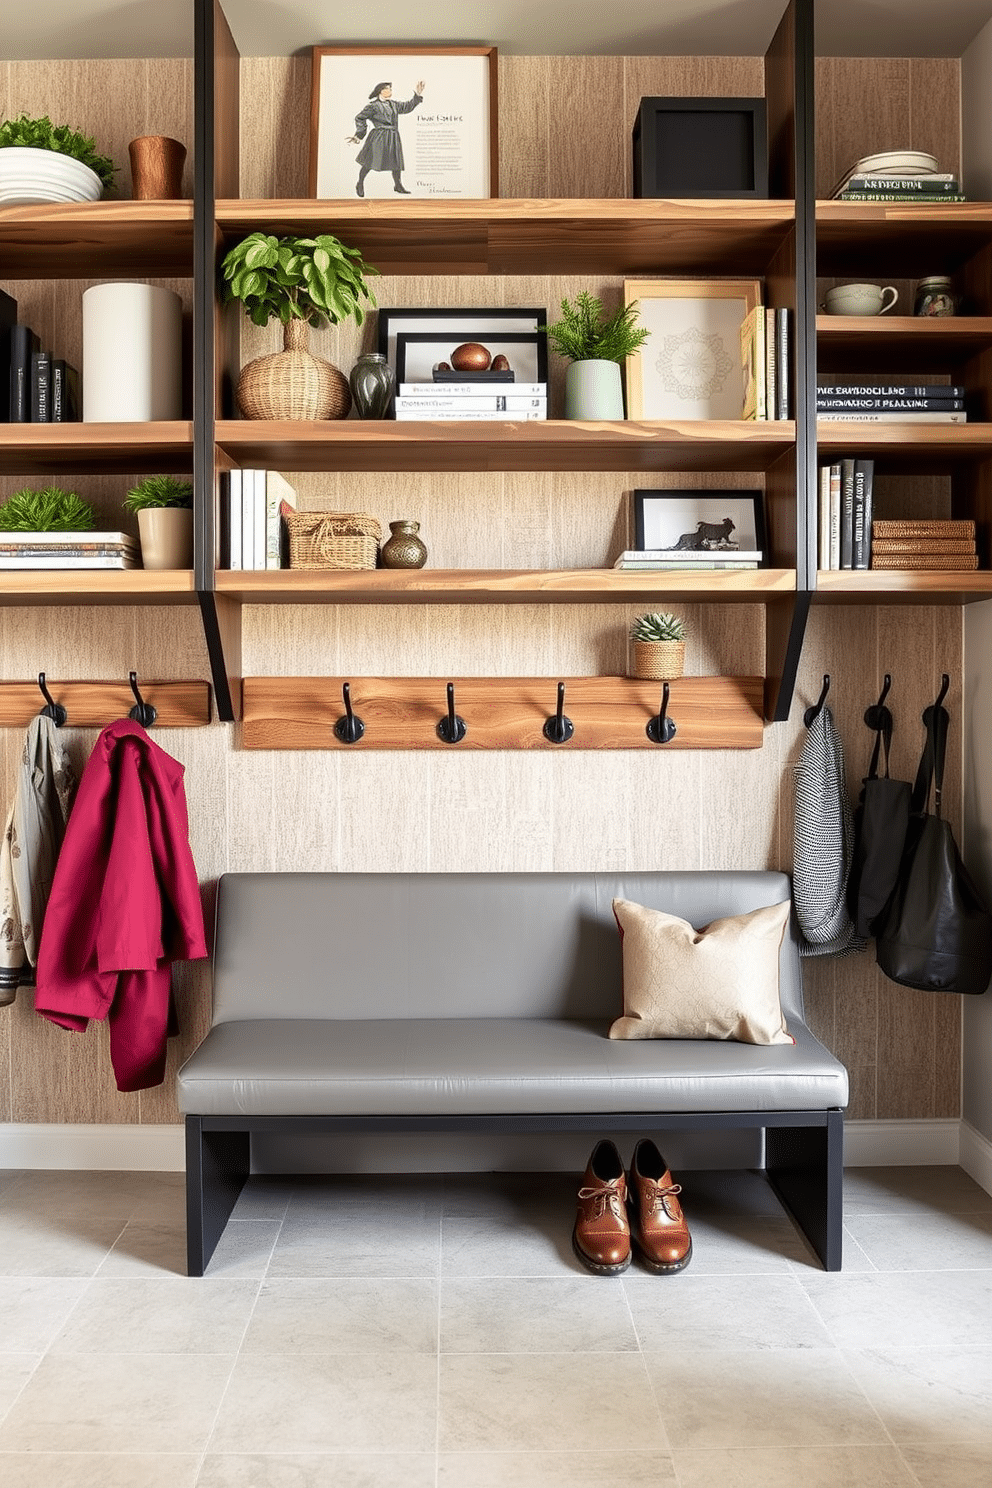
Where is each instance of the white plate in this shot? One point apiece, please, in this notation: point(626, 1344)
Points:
point(897, 162)
point(28, 176)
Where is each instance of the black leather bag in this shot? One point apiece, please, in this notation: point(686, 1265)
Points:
point(935, 934)
point(881, 820)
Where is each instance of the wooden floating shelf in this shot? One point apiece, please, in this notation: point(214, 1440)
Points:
point(136, 586)
point(501, 586)
point(925, 448)
point(500, 712)
point(891, 342)
point(902, 586)
point(565, 444)
point(95, 704)
point(897, 241)
point(86, 240)
point(511, 236)
point(38, 449)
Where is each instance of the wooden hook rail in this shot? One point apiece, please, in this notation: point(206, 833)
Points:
point(95, 704)
point(498, 713)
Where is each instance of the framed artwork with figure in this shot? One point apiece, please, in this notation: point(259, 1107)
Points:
point(403, 121)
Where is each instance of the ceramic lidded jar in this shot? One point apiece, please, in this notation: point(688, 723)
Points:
point(372, 386)
point(404, 549)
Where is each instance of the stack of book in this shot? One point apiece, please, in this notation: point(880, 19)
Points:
point(765, 356)
point(34, 550)
point(472, 400)
point(885, 402)
point(845, 528)
point(253, 504)
point(899, 177)
point(687, 560)
point(39, 388)
point(912, 544)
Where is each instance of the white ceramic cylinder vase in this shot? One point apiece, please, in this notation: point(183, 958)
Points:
point(593, 391)
point(132, 354)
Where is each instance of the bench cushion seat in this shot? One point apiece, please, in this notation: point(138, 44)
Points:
point(485, 1066)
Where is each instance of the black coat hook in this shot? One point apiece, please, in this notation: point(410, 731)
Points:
point(559, 729)
point(54, 710)
point(878, 716)
point(661, 730)
point(945, 683)
point(451, 728)
point(142, 712)
point(350, 728)
point(812, 714)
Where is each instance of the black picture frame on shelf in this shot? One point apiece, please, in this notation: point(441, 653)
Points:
point(476, 324)
point(688, 521)
point(709, 147)
point(417, 353)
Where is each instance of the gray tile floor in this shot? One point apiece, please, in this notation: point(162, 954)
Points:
point(438, 1333)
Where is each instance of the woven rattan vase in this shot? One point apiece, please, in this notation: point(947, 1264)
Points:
point(659, 660)
point(292, 384)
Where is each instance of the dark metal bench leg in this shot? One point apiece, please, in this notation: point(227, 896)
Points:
point(217, 1167)
point(805, 1167)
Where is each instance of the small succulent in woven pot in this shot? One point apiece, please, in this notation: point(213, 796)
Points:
point(302, 282)
point(659, 646)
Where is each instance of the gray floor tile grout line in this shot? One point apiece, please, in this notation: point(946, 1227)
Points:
point(202, 1455)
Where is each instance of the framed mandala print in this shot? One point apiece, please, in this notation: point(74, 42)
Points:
point(690, 366)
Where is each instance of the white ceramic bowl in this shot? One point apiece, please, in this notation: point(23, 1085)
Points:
point(28, 176)
point(897, 162)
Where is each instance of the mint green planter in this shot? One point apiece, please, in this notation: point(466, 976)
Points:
point(593, 391)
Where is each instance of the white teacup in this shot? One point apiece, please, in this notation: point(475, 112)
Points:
point(859, 299)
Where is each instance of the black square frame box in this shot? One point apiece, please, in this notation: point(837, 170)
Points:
point(701, 147)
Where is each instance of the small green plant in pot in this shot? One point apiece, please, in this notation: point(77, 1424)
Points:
point(659, 646)
point(163, 505)
point(302, 282)
point(48, 510)
point(29, 174)
point(595, 344)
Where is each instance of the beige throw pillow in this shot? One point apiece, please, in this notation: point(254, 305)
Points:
point(720, 982)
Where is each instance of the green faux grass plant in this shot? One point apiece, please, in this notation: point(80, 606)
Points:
point(49, 510)
point(157, 491)
point(586, 333)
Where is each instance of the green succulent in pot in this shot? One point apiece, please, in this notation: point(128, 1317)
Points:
point(659, 645)
point(25, 133)
point(163, 504)
point(301, 282)
point(48, 510)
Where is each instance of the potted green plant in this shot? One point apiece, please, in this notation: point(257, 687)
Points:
point(48, 510)
point(163, 505)
point(595, 344)
point(43, 162)
point(303, 282)
point(659, 646)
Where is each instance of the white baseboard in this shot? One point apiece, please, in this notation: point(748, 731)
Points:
point(976, 1155)
point(161, 1149)
point(154, 1149)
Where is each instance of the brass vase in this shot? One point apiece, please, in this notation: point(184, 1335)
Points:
point(404, 549)
point(292, 384)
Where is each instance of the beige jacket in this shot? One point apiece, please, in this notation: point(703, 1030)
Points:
point(29, 851)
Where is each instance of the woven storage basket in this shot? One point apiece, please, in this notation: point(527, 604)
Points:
point(659, 660)
point(332, 539)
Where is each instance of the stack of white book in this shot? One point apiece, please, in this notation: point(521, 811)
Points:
point(472, 400)
point(80, 550)
point(688, 560)
point(253, 503)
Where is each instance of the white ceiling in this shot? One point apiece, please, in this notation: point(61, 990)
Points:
point(163, 28)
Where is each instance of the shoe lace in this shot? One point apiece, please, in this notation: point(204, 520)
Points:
point(605, 1197)
point(660, 1198)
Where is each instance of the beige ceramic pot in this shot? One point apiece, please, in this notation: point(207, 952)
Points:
point(660, 661)
point(292, 384)
point(166, 537)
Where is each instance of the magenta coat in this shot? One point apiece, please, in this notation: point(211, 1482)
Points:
point(124, 905)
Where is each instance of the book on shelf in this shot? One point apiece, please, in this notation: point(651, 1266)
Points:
point(253, 504)
point(468, 391)
point(280, 498)
point(823, 520)
point(902, 527)
point(755, 405)
point(463, 415)
point(59, 560)
point(687, 556)
point(771, 363)
point(864, 480)
point(948, 416)
point(41, 387)
point(783, 372)
point(889, 390)
point(835, 505)
point(886, 403)
point(927, 197)
point(698, 565)
point(23, 344)
point(65, 392)
point(942, 183)
point(250, 487)
point(919, 545)
point(925, 562)
point(77, 541)
point(847, 512)
point(8, 319)
point(533, 404)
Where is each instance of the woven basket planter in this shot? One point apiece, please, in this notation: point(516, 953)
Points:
point(292, 384)
point(341, 540)
point(659, 661)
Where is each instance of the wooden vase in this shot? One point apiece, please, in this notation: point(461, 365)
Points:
point(156, 167)
point(292, 384)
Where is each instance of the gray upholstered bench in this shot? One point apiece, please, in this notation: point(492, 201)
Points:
point(481, 1002)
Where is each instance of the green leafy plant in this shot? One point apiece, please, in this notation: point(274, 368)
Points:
point(157, 491)
point(50, 510)
point(585, 333)
point(662, 626)
point(318, 279)
point(42, 134)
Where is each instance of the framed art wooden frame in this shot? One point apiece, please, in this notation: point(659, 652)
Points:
point(415, 121)
point(690, 366)
point(710, 523)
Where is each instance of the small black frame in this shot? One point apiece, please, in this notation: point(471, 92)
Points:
point(687, 147)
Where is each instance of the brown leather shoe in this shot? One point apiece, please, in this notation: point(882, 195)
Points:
point(659, 1228)
point(601, 1238)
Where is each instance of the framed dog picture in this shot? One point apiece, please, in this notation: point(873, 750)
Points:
point(709, 523)
point(396, 121)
